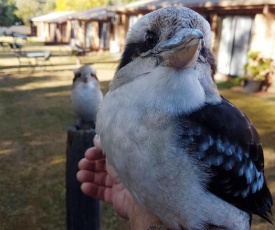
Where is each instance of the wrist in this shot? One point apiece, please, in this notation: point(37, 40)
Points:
point(141, 219)
point(157, 227)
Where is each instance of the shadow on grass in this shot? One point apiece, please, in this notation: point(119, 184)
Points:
point(33, 128)
point(33, 134)
point(9, 80)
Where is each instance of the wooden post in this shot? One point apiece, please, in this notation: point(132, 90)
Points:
point(82, 211)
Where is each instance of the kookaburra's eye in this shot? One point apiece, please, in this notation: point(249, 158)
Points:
point(151, 40)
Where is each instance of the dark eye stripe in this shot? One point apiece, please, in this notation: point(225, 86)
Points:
point(208, 55)
point(131, 51)
point(76, 75)
point(135, 49)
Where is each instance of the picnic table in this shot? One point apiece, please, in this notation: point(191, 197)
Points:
point(37, 55)
point(40, 58)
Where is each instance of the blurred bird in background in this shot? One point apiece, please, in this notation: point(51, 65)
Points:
point(184, 152)
point(85, 96)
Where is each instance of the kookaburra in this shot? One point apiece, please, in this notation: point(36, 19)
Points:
point(85, 96)
point(184, 152)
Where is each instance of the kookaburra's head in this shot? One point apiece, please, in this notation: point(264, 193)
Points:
point(84, 74)
point(174, 37)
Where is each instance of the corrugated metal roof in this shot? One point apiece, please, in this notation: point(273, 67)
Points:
point(52, 16)
point(155, 4)
point(104, 13)
point(101, 13)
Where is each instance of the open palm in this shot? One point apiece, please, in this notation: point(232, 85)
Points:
point(99, 180)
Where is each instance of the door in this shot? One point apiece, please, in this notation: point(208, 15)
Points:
point(104, 35)
point(89, 35)
point(234, 44)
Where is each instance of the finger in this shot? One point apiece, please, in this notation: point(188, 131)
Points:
point(97, 142)
point(94, 154)
point(102, 179)
point(97, 192)
point(95, 166)
point(88, 176)
point(111, 171)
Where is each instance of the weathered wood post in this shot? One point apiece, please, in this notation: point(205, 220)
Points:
point(82, 211)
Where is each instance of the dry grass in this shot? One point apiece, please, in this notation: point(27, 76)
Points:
point(261, 111)
point(35, 113)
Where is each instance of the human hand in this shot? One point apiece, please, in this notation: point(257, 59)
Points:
point(100, 181)
point(100, 184)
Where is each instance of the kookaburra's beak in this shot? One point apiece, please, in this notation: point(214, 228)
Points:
point(182, 50)
point(84, 78)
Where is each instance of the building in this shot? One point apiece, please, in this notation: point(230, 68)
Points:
point(93, 29)
point(237, 27)
point(51, 27)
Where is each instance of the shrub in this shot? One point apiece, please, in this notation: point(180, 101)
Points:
point(257, 66)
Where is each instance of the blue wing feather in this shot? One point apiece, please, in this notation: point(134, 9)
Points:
point(222, 138)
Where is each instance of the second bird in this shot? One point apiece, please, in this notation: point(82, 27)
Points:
point(86, 96)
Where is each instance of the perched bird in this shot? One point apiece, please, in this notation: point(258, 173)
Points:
point(85, 96)
point(184, 152)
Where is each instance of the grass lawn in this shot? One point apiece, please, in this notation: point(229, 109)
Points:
point(35, 113)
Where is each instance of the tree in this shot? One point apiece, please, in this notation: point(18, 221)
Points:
point(118, 2)
point(63, 5)
point(50, 6)
point(25, 9)
point(127, 1)
point(7, 13)
point(30, 8)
